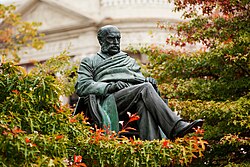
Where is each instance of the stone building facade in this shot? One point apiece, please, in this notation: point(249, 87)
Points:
point(73, 24)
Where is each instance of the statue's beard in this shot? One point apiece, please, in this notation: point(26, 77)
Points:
point(110, 49)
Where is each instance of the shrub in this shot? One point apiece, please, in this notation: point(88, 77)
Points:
point(189, 82)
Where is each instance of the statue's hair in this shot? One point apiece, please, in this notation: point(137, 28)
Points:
point(103, 31)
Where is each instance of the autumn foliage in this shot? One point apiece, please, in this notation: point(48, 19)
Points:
point(212, 84)
point(16, 34)
point(212, 80)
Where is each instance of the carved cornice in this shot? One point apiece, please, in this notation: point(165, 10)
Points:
point(65, 8)
point(113, 3)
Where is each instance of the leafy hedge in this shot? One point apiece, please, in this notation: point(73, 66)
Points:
point(227, 128)
point(37, 130)
point(197, 88)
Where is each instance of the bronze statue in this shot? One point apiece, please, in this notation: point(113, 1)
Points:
point(115, 80)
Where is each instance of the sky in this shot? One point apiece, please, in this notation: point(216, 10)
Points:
point(6, 1)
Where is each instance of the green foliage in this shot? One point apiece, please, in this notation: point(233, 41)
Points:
point(196, 90)
point(213, 82)
point(113, 151)
point(199, 75)
point(37, 130)
point(63, 69)
point(227, 128)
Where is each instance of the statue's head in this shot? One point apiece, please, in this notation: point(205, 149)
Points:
point(109, 38)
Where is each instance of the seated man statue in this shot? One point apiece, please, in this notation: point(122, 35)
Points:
point(119, 86)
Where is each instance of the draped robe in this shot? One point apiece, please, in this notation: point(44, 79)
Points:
point(95, 75)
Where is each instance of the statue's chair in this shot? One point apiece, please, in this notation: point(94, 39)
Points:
point(88, 105)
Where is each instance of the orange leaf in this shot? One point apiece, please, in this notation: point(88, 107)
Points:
point(27, 140)
point(81, 164)
point(5, 133)
point(199, 130)
point(228, 41)
point(15, 91)
point(72, 120)
point(17, 130)
point(59, 137)
point(134, 117)
point(59, 110)
point(33, 145)
point(77, 158)
point(123, 130)
point(165, 144)
point(129, 128)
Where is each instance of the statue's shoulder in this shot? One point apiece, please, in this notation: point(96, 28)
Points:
point(89, 57)
point(92, 60)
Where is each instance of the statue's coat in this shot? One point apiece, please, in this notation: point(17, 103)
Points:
point(97, 72)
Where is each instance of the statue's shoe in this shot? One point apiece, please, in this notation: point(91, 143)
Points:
point(182, 128)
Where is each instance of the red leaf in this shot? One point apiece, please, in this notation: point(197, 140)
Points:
point(15, 91)
point(134, 117)
point(33, 145)
point(199, 130)
point(17, 130)
point(129, 128)
point(77, 158)
point(81, 164)
point(5, 133)
point(165, 144)
point(72, 120)
point(59, 137)
point(122, 131)
point(27, 140)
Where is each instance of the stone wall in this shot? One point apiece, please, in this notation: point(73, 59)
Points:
point(73, 24)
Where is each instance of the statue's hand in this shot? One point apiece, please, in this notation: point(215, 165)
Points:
point(114, 87)
point(154, 83)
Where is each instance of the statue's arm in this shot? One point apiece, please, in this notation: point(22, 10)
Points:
point(85, 84)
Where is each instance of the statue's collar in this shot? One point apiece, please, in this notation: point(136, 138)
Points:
point(105, 56)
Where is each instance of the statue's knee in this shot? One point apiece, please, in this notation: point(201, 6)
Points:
point(148, 85)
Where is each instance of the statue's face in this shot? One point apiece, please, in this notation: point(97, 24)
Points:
point(111, 42)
